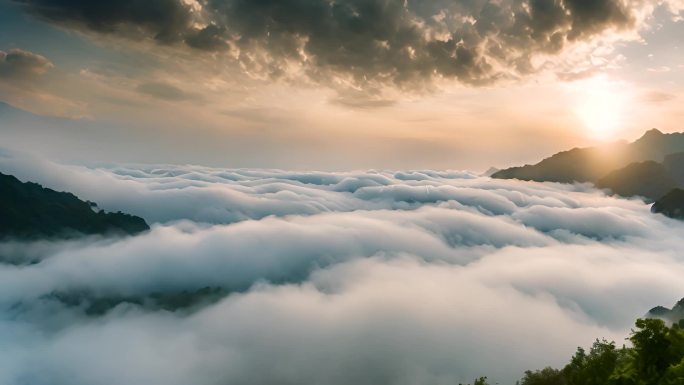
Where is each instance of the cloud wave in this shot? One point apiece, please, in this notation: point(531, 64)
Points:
point(410, 277)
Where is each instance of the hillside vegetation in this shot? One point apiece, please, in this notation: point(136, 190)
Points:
point(29, 210)
point(655, 357)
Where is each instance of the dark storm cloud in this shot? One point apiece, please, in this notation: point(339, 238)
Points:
point(363, 41)
point(591, 16)
point(17, 65)
point(209, 38)
point(165, 20)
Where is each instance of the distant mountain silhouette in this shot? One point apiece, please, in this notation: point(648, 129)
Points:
point(673, 316)
point(593, 163)
point(671, 205)
point(28, 210)
point(651, 167)
point(490, 171)
point(674, 163)
point(647, 179)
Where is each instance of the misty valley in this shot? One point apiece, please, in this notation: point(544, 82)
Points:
point(259, 270)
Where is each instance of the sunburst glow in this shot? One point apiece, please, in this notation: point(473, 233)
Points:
point(600, 107)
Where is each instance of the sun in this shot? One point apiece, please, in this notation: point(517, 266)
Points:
point(599, 106)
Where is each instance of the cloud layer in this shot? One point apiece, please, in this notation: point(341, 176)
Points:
point(412, 277)
point(369, 42)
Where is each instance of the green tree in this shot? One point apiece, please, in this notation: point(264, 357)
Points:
point(653, 350)
point(594, 368)
point(656, 358)
point(479, 381)
point(674, 375)
point(546, 376)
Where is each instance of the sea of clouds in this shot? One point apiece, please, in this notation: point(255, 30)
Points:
point(366, 277)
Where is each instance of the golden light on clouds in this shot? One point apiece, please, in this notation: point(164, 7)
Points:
point(390, 84)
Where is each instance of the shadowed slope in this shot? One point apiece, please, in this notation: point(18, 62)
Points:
point(646, 179)
point(28, 210)
point(672, 204)
point(592, 163)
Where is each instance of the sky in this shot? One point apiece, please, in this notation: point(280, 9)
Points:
point(335, 85)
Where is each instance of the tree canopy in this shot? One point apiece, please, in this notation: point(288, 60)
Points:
point(655, 357)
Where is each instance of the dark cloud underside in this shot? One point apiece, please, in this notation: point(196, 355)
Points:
point(364, 41)
point(165, 20)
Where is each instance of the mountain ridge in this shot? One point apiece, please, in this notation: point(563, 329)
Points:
point(30, 211)
point(589, 164)
point(671, 204)
point(674, 315)
point(648, 179)
point(651, 167)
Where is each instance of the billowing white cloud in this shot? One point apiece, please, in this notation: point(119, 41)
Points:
point(166, 193)
point(417, 277)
